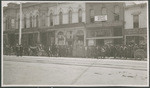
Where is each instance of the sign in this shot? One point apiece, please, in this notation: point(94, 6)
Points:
point(91, 42)
point(101, 18)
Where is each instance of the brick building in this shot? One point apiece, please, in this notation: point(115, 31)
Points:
point(108, 31)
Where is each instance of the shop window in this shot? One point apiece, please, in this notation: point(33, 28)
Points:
point(51, 19)
point(135, 21)
point(80, 15)
point(60, 18)
point(70, 16)
point(92, 16)
point(116, 14)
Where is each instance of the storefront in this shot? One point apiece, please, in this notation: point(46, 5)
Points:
point(101, 36)
point(136, 36)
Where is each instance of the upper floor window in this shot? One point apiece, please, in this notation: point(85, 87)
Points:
point(135, 21)
point(60, 18)
point(91, 15)
point(80, 15)
point(37, 21)
point(116, 17)
point(51, 19)
point(104, 11)
point(24, 22)
point(70, 16)
point(43, 20)
point(13, 23)
point(30, 21)
point(18, 23)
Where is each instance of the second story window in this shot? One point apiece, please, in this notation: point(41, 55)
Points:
point(80, 15)
point(135, 21)
point(18, 23)
point(37, 21)
point(116, 14)
point(24, 22)
point(104, 11)
point(30, 21)
point(60, 18)
point(70, 16)
point(92, 16)
point(51, 19)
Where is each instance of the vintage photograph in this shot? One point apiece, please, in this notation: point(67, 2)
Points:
point(75, 43)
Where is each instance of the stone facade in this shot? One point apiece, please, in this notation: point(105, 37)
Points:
point(135, 34)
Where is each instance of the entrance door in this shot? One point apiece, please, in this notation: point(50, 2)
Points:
point(99, 42)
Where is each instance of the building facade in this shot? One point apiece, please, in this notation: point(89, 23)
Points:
point(75, 24)
point(136, 24)
point(104, 23)
point(45, 23)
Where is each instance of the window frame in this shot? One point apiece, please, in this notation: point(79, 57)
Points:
point(91, 16)
point(136, 21)
point(60, 18)
point(80, 15)
point(70, 16)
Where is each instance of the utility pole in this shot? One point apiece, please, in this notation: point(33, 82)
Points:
point(20, 29)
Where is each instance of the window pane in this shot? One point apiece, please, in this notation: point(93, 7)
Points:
point(51, 19)
point(80, 15)
point(70, 16)
point(92, 15)
point(116, 9)
point(104, 11)
point(60, 18)
point(135, 21)
point(37, 21)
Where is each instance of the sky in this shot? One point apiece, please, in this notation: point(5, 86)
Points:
point(4, 3)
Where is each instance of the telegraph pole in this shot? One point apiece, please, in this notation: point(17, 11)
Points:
point(20, 29)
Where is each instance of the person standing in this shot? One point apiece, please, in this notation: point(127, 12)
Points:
point(21, 50)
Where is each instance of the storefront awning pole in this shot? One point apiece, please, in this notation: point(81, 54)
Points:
point(20, 29)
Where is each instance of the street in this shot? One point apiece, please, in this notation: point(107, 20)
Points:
point(31, 70)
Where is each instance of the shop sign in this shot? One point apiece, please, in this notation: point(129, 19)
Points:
point(91, 42)
point(101, 18)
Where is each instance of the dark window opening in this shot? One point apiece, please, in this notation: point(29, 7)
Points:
point(92, 16)
point(135, 21)
point(51, 19)
point(80, 15)
point(60, 18)
point(70, 16)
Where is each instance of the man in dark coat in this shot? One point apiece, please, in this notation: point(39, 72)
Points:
point(17, 50)
point(21, 50)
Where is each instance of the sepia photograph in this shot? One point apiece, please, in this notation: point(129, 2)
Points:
point(74, 43)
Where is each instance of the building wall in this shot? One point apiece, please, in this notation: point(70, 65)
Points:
point(142, 16)
point(97, 7)
point(64, 8)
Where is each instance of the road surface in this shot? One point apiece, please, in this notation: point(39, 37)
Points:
point(30, 70)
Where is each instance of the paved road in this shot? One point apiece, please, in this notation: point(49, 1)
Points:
point(30, 70)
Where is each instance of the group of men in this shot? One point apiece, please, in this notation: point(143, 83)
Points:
point(17, 50)
point(115, 51)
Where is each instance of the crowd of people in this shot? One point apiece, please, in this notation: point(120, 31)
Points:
point(105, 51)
